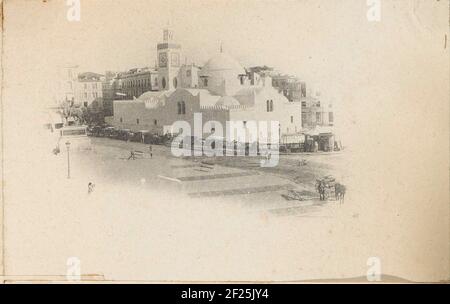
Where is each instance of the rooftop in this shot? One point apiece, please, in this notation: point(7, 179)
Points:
point(89, 76)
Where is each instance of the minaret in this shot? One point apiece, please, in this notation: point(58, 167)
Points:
point(169, 54)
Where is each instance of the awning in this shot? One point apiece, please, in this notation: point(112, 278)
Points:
point(320, 130)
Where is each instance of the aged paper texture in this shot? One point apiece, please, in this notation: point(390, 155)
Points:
point(218, 141)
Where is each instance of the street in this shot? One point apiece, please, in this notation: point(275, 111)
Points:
point(237, 180)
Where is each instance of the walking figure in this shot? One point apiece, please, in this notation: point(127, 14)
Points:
point(150, 150)
point(132, 155)
point(321, 189)
point(90, 187)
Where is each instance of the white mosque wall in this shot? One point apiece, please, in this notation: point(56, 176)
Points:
point(135, 116)
point(287, 113)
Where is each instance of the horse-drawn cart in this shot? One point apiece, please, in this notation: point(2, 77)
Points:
point(329, 188)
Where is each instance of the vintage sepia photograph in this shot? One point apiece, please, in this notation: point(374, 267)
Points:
point(222, 141)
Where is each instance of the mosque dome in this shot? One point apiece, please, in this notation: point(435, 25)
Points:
point(222, 75)
point(222, 62)
point(228, 101)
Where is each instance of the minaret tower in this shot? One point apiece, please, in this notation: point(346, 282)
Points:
point(169, 55)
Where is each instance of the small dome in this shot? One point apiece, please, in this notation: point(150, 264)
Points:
point(152, 99)
point(150, 95)
point(227, 101)
point(222, 62)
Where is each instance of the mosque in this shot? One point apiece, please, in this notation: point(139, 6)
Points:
point(222, 90)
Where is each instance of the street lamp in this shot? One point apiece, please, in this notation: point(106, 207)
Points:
point(68, 159)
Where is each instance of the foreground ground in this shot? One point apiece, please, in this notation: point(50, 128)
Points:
point(188, 219)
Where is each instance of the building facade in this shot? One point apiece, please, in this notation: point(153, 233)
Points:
point(168, 74)
point(224, 94)
point(89, 90)
point(109, 90)
point(133, 83)
point(315, 111)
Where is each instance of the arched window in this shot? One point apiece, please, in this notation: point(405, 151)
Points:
point(175, 82)
point(183, 107)
point(269, 105)
point(178, 108)
point(163, 83)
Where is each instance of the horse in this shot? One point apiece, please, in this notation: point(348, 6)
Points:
point(339, 192)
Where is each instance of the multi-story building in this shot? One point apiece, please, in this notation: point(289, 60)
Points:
point(314, 111)
point(135, 82)
point(89, 90)
point(109, 90)
point(290, 86)
point(89, 94)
